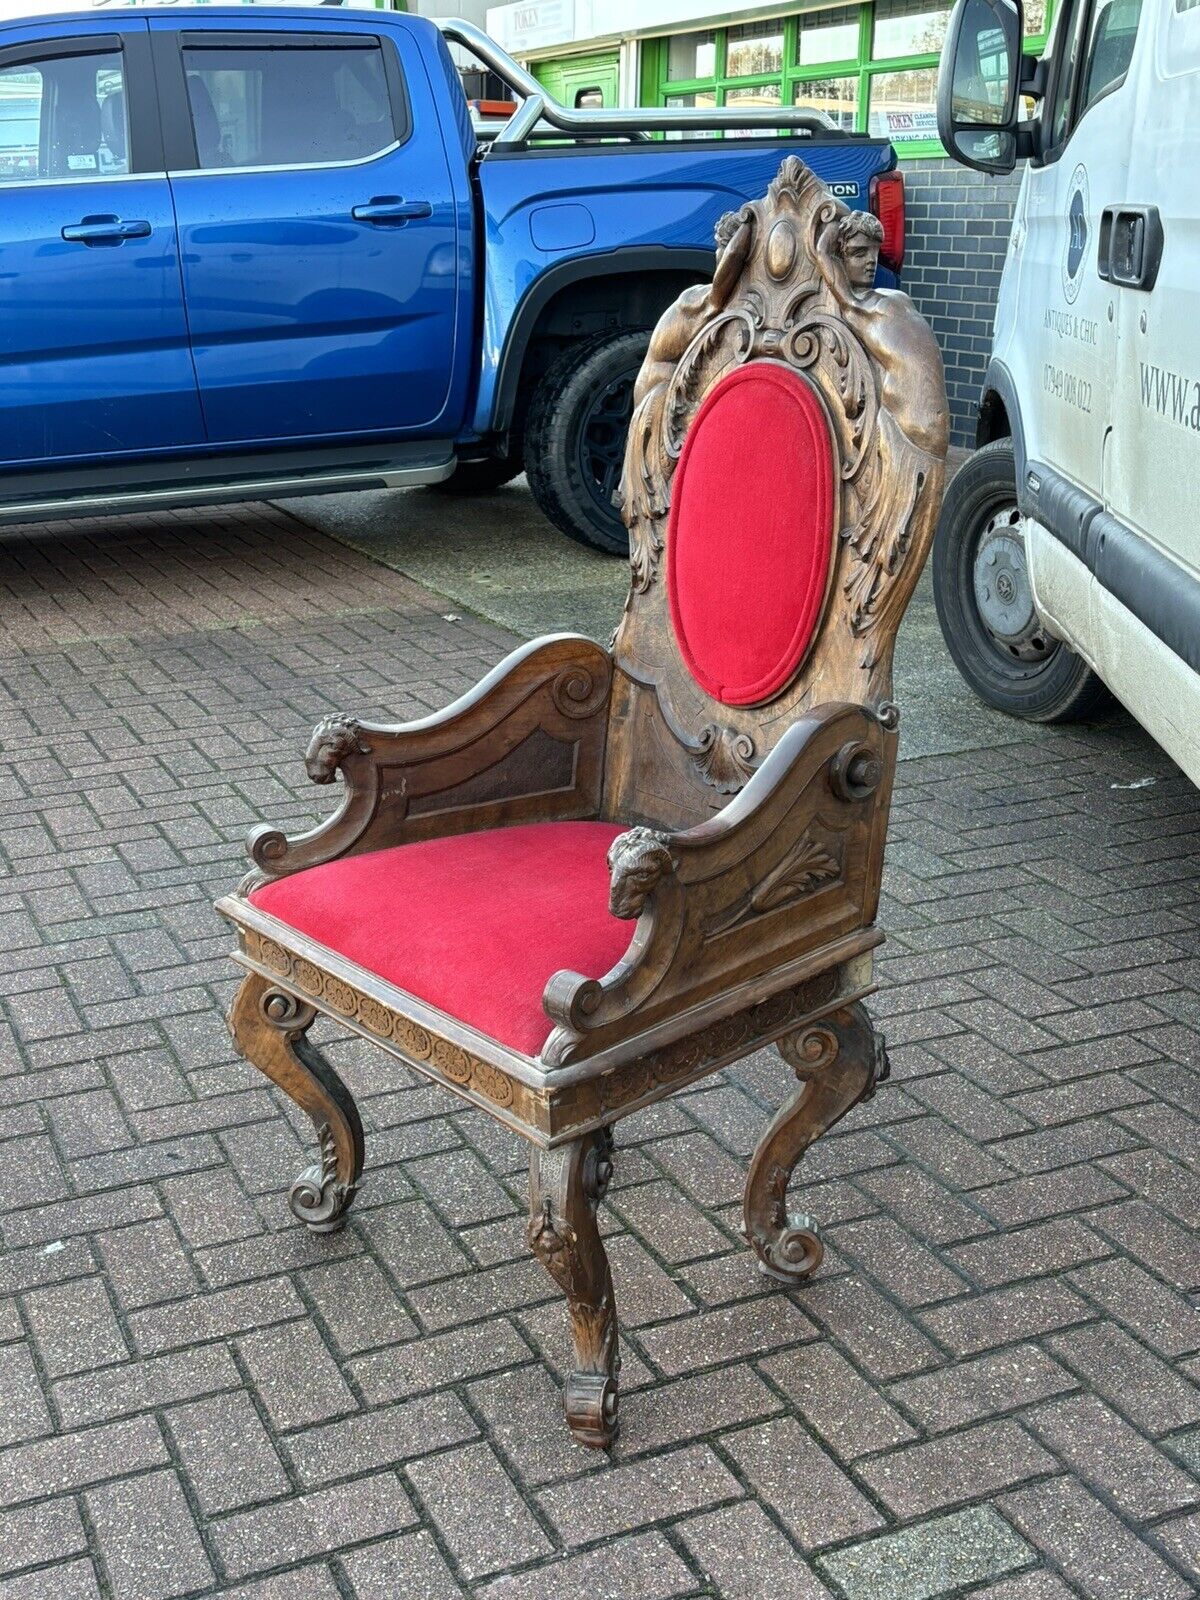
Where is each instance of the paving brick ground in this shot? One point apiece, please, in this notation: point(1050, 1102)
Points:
point(989, 1388)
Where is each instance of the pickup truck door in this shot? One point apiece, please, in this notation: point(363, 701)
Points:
point(94, 357)
point(318, 226)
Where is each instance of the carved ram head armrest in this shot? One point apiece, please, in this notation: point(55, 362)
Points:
point(525, 745)
point(789, 866)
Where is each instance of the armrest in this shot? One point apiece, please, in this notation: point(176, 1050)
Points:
point(792, 863)
point(526, 744)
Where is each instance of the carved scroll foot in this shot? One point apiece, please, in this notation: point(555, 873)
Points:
point(268, 1027)
point(566, 1186)
point(838, 1060)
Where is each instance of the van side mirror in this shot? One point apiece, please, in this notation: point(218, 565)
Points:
point(979, 83)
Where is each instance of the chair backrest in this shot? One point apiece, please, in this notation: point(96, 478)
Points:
point(783, 476)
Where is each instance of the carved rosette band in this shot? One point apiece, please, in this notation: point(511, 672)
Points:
point(452, 1061)
point(838, 1061)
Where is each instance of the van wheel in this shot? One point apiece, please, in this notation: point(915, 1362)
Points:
point(985, 600)
point(481, 477)
point(575, 437)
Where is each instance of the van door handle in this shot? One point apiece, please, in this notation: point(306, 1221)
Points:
point(108, 230)
point(391, 208)
point(1131, 246)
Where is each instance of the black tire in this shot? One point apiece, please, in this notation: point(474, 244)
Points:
point(575, 437)
point(481, 477)
point(1004, 654)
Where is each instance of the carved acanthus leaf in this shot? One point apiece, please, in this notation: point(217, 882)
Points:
point(810, 866)
point(807, 869)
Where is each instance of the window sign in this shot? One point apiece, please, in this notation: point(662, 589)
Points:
point(904, 106)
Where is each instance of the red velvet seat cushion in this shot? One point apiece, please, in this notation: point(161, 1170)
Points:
point(474, 924)
point(750, 535)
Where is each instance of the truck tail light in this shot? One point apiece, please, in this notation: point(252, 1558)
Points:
point(887, 202)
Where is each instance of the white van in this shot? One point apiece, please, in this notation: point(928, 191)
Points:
point(1068, 553)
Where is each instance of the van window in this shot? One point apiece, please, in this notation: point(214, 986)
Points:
point(287, 107)
point(63, 117)
point(1111, 35)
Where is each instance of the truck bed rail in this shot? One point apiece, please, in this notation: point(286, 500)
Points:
point(539, 108)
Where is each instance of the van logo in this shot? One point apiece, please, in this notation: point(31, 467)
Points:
point(849, 191)
point(1077, 234)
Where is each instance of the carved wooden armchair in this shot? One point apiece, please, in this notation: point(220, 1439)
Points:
point(604, 874)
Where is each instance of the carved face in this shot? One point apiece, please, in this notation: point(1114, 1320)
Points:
point(332, 741)
point(637, 860)
point(861, 256)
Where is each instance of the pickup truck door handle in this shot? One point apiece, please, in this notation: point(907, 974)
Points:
point(391, 208)
point(108, 230)
point(1131, 246)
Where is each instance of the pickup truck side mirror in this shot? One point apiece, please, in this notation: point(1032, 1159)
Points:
point(979, 83)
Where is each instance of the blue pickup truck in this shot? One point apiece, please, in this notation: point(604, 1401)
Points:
point(250, 252)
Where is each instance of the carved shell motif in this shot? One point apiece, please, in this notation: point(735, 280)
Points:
point(724, 758)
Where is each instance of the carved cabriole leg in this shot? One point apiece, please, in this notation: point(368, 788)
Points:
point(566, 1185)
point(268, 1027)
point(838, 1060)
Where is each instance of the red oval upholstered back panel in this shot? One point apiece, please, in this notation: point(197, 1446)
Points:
point(750, 536)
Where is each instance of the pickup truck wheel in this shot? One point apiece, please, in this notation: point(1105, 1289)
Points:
point(985, 600)
point(575, 437)
point(481, 477)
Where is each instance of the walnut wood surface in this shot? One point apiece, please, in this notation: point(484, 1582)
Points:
point(481, 763)
point(838, 1060)
point(566, 1186)
point(269, 1026)
point(750, 869)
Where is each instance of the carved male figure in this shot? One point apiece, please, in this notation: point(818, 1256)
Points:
point(890, 326)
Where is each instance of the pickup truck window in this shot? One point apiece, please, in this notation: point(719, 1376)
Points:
point(284, 107)
point(63, 117)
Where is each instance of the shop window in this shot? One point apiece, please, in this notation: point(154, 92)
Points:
point(767, 95)
point(836, 97)
point(903, 106)
point(754, 48)
point(828, 36)
point(909, 28)
point(691, 56)
point(868, 68)
point(706, 99)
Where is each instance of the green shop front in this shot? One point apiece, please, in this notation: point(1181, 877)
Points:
point(870, 68)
